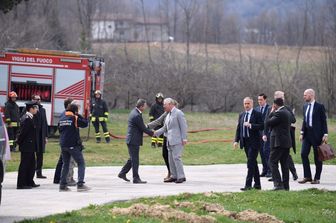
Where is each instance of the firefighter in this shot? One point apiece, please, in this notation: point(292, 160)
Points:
point(12, 118)
point(99, 114)
point(155, 112)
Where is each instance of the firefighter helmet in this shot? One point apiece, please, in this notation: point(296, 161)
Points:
point(12, 94)
point(97, 92)
point(159, 95)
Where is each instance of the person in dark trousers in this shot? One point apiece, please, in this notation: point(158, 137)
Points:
point(58, 169)
point(71, 145)
point(27, 146)
point(134, 140)
point(12, 119)
point(248, 135)
point(292, 169)
point(263, 108)
point(279, 121)
point(314, 132)
point(155, 112)
point(99, 114)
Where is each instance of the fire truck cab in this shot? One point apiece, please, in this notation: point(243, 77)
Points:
point(54, 75)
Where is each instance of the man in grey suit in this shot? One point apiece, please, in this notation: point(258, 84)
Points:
point(135, 130)
point(175, 129)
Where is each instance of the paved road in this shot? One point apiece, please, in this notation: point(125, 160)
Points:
point(107, 187)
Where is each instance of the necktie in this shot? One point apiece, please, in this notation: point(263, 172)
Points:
point(308, 116)
point(262, 110)
point(245, 133)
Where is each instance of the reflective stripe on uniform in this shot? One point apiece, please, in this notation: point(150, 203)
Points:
point(106, 113)
point(8, 120)
point(160, 140)
point(154, 139)
point(11, 142)
point(151, 117)
point(14, 124)
point(106, 134)
point(98, 135)
point(93, 119)
point(101, 119)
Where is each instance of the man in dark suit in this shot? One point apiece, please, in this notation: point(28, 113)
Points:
point(279, 121)
point(265, 147)
point(27, 146)
point(314, 132)
point(134, 138)
point(248, 134)
point(292, 169)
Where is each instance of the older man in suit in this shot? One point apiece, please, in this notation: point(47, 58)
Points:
point(314, 132)
point(248, 134)
point(175, 128)
point(279, 121)
point(134, 139)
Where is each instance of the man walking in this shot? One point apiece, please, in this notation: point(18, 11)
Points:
point(279, 121)
point(265, 146)
point(314, 132)
point(175, 128)
point(134, 140)
point(248, 134)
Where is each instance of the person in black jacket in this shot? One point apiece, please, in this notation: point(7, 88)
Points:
point(99, 114)
point(314, 132)
point(155, 112)
point(134, 139)
point(12, 119)
point(279, 121)
point(27, 146)
point(248, 135)
point(71, 146)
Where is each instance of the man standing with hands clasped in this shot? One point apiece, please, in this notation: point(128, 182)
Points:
point(175, 128)
point(248, 134)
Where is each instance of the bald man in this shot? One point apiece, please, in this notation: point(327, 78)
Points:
point(314, 132)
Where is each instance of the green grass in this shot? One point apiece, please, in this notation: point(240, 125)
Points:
point(295, 206)
point(116, 153)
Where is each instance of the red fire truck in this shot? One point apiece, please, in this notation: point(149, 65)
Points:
point(54, 75)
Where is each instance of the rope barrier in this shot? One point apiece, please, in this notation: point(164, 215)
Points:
point(191, 131)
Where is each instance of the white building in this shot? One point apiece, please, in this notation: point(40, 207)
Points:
point(120, 28)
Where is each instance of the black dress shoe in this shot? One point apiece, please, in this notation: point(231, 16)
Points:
point(138, 181)
point(169, 180)
point(123, 176)
point(257, 187)
point(35, 185)
point(246, 188)
point(181, 180)
point(278, 188)
point(23, 187)
point(270, 179)
point(41, 176)
point(305, 180)
point(295, 176)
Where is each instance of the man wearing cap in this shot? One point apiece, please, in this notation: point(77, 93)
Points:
point(27, 146)
point(155, 112)
point(12, 118)
point(99, 114)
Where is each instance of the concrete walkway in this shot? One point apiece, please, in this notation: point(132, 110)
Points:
point(107, 187)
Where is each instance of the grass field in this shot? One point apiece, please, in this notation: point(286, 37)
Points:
point(195, 153)
point(303, 206)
